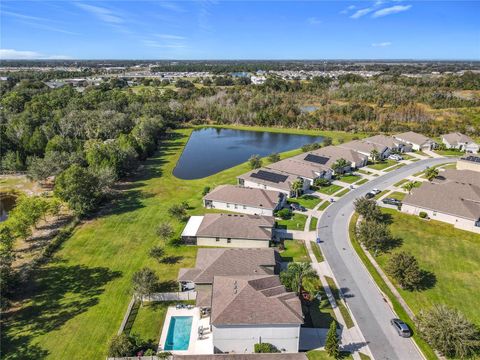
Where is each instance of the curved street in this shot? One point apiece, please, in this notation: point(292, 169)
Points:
point(365, 301)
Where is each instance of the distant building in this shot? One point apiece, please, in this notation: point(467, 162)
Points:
point(229, 230)
point(390, 142)
point(365, 148)
point(418, 141)
point(454, 198)
point(460, 142)
point(244, 200)
point(258, 80)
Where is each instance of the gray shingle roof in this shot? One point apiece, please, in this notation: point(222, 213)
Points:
point(413, 137)
point(454, 192)
point(283, 185)
point(224, 262)
point(260, 198)
point(364, 146)
point(248, 300)
point(455, 138)
point(238, 226)
point(335, 153)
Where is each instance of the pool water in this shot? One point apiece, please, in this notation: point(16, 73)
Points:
point(178, 336)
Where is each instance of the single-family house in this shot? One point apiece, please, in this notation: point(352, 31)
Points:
point(270, 179)
point(470, 162)
point(416, 140)
point(394, 145)
point(213, 262)
point(244, 200)
point(364, 147)
point(304, 167)
point(247, 310)
point(332, 154)
point(460, 142)
point(229, 230)
point(454, 197)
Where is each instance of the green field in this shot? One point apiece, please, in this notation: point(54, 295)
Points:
point(296, 222)
point(295, 250)
point(313, 223)
point(380, 165)
point(397, 195)
point(349, 179)
point(395, 167)
point(330, 189)
point(450, 254)
point(450, 152)
point(76, 303)
point(363, 181)
point(317, 252)
point(322, 355)
point(324, 205)
point(343, 192)
point(401, 182)
point(307, 201)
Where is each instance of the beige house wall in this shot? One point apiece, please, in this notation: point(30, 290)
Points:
point(456, 221)
point(234, 243)
point(468, 165)
point(244, 209)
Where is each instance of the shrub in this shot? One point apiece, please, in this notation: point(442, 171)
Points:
point(449, 332)
point(284, 214)
point(206, 190)
point(255, 162)
point(165, 230)
point(157, 252)
point(178, 211)
point(403, 267)
point(321, 182)
point(121, 346)
point(423, 214)
point(273, 157)
point(265, 348)
point(332, 342)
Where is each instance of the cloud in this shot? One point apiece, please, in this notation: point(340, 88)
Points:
point(170, 37)
point(101, 13)
point(314, 21)
point(27, 55)
point(362, 12)
point(156, 44)
point(382, 44)
point(37, 22)
point(391, 10)
point(348, 9)
point(170, 6)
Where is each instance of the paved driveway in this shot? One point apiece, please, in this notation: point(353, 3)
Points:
point(370, 310)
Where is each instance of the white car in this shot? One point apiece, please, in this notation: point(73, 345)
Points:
point(395, 157)
point(375, 191)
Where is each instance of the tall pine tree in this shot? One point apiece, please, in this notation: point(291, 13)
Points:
point(332, 342)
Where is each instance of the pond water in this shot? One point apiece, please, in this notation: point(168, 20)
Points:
point(210, 150)
point(7, 202)
point(308, 108)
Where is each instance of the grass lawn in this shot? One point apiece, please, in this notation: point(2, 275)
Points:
point(450, 254)
point(341, 305)
point(364, 172)
point(397, 195)
point(330, 189)
point(380, 165)
point(295, 250)
point(324, 205)
point(400, 183)
point(395, 167)
point(81, 296)
point(349, 179)
point(313, 223)
point(308, 201)
point(343, 192)
point(407, 157)
point(363, 356)
point(296, 222)
point(319, 313)
point(380, 194)
point(426, 349)
point(450, 152)
point(317, 252)
point(323, 355)
point(363, 181)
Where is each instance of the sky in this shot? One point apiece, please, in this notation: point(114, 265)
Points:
point(384, 29)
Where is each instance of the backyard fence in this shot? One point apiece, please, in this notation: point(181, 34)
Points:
point(126, 316)
point(172, 296)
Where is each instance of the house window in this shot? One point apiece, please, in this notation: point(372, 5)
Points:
point(228, 205)
point(434, 213)
point(244, 207)
point(217, 239)
point(229, 240)
point(236, 207)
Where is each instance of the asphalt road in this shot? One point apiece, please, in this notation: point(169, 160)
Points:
point(370, 310)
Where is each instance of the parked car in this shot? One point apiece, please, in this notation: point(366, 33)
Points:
point(402, 329)
point(369, 195)
point(375, 191)
point(297, 207)
point(395, 157)
point(392, 201)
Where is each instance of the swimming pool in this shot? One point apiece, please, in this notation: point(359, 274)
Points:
point(178, 335)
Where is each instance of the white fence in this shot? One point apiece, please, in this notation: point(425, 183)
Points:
point(172, 296)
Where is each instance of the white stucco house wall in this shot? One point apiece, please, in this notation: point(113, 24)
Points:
point(460, 142)
point(417, 141)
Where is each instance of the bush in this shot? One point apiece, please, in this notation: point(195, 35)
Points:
point(284, 214)
point(448, 331)
point(423, 214)
point(157, 252)
point(265, 348)
point(321, 182)
point(332, 342)
point(178, 211)
point(255, 162)
point(206, 190)
point(273, 157)
point(165, 231)
point(403, 267)
point(121, 346)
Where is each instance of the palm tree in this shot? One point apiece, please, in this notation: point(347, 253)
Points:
point(340, 165)
point(409, 186)
point(295, 274)
point(297, 186)
point(375, 155)
point(431, 173)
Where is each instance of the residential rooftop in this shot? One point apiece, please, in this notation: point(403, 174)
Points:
point(270, 177)
point(456, 138)
point(335, 153)
point(238, 226)
point(298, 166)
point(364, 146)
point(260, 198)
point(413, 137)
point(253, 300)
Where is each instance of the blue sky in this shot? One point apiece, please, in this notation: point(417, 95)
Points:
point(240, 30)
